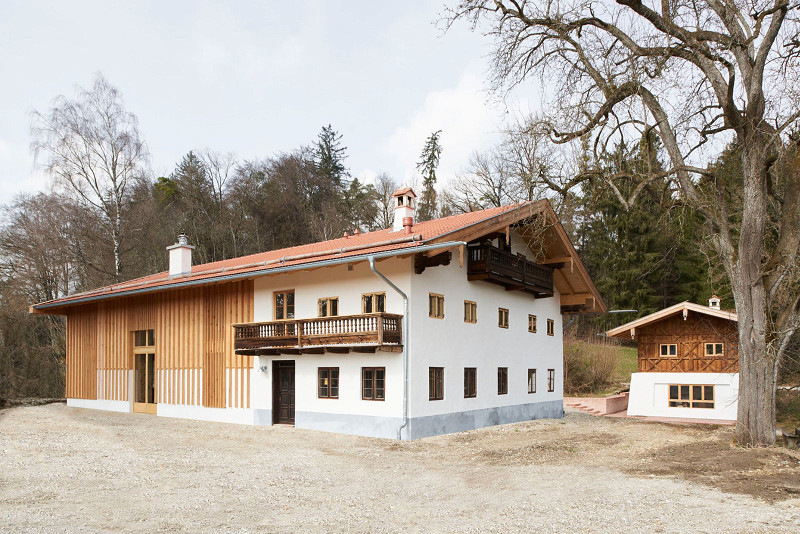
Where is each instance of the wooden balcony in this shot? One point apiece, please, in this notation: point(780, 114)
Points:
point(359, 333)
point(509, 270)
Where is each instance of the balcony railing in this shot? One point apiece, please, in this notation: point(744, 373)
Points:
point(375, 330)
point(510, 270)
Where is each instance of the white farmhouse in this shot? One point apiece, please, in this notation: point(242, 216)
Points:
point(421, 329)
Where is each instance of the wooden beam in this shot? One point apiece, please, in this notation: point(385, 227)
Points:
point(550, 261)
point(578, 299)
point(421, 261)
point(338, 350)
point(365, 350)
point(391, 348)
point(314, 350)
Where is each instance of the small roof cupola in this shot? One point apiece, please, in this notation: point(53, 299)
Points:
point(713, 302)
point(404, 206)
point(180, 257)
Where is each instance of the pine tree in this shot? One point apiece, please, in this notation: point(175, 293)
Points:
point(428, 163)
point(329, 156)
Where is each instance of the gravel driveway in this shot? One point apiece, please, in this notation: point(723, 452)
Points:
point(79, 470)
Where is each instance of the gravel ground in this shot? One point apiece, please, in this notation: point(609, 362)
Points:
point(80, 470)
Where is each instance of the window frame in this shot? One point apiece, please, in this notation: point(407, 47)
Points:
point(714, 345)
point(435, 383)
point(373, 385)
point(502, 380)
point(551, 327)
point(531, 383)
point(531, 323)
point(690, 401)
point(149, 337)
point(285, 307)
point(437, 308)
point(328, 371)
point(327, 301)
point(373, 298)
point(470, 382)
point(660, 345)
point(470, 311)
point(551, 380)
point(502, 313)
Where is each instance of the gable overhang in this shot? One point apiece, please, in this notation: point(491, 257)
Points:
point(629, 329)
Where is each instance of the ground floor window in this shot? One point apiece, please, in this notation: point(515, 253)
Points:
point(328, 382)
point(435, 383)
point(551, 380)
point(470, 382)
point(502, 380)
point(373, 383)
point(691, 396)
point(531, 380)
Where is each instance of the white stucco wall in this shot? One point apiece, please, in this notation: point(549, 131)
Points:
point(453, 344)
point(649, 395)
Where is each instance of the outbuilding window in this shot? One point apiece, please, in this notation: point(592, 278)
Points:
point(714, 349)
point(667, 350)
point(691, 396)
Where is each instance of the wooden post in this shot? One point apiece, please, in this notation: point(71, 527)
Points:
point(299, 334)
point(379, 318)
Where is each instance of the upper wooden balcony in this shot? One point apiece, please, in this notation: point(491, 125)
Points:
point(360, 333)
point(512, 271)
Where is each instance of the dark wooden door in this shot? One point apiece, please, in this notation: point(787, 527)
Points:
point(283, 396)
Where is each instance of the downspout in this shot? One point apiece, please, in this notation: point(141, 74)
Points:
point(406, 329)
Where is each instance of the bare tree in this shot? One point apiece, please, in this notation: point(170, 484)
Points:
point(385, 186)
point(92, 148)
point(702, 75)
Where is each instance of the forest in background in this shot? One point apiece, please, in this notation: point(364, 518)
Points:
point(108, 219)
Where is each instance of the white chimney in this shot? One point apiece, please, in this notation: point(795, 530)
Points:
point(180, 257)
point(713, 302)
point(404, 200)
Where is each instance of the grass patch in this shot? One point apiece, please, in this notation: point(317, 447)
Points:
point(787, 408)
point(627, 364)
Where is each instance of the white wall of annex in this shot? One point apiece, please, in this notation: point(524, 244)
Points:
point(649, 395)
point(453, 344)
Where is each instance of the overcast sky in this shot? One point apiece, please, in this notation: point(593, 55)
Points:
point(254, 78)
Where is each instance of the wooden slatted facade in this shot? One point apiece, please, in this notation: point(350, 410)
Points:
point(194, 345)
point(690, 336)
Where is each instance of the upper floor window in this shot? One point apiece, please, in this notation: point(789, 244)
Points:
point(470, 382)
point(435, 383)
point(144, 338)
point(373, 302)
point(502, 317)
point(328, 382)
point(328, 307)
point(373, 383)
point(551, 327)
point(470, 312)
point(668, 349)
point(532, 324)
point(714, 349)
point(502, 380)
point(551, 380)
point(284, 305)
point(436, 305)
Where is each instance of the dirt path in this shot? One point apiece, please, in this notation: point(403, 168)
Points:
point(67, 469)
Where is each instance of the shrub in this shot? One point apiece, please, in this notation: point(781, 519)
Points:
point(589, 367)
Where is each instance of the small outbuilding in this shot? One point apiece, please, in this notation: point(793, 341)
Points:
point(688, 362)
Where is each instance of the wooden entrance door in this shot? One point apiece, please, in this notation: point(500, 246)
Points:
point(283, 392)
point(144, 400)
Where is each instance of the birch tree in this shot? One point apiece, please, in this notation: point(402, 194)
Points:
point(91, 147)
point(703, 75)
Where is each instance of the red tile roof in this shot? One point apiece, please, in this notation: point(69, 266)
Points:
point(351, 246)
point(404, 191)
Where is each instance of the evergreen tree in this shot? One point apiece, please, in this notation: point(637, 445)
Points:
point(428, 163)
point(329, 156)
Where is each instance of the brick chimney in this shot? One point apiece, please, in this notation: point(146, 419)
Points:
point(713, 302)
point(180, 257)
point(404, 206)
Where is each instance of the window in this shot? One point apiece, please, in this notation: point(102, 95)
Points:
point(502, 317)
point(373, 302)
point(531, 380)
point(502, 380)
point(714, 349)
point(532, 324)
point(667, 350)
point(284, 305)
point(328, 382)
point(373, 383)
point(551, 326)
point(436, 305)
point(551, 380)
point(328, 307)
point(435, 383)
point(470, 312)
point(470, 382)
point(691, 396)
point(144, 338)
